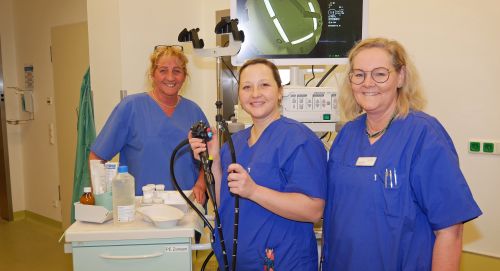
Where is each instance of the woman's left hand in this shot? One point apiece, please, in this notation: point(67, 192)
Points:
point(240, 182)
point(199, 193)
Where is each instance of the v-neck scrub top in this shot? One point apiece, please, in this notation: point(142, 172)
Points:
point(145, 137)
point(288, 157)
point(383, 217)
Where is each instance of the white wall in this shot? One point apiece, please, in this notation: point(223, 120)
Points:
point(34, 172)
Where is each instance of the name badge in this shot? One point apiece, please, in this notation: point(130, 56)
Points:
point(366, 161)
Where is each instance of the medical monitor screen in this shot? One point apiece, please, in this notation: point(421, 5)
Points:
point(299, 32)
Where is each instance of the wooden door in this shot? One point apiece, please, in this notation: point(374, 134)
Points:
point(70, 60)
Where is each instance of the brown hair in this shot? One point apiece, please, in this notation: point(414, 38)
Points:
point(266, 62)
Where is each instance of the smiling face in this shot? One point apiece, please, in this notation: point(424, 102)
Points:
point(259, 93)
point(168, 76)
point(376, 98)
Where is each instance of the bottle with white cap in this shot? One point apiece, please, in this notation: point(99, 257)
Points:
point(123, 196)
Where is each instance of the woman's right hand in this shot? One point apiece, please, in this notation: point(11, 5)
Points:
point(198, 146)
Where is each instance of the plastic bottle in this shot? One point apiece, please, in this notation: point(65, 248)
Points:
point(87, 197)
point(123, 191)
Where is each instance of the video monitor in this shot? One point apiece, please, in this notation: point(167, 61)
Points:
point(299, 32)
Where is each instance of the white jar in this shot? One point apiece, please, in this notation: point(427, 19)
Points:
point(147, 194)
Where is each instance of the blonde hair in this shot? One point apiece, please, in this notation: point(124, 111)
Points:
point(410, 94)
point(161, 51)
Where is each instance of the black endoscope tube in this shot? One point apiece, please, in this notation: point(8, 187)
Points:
point(209, 179)
point(207, 259)
point(176, 185)
point(225, 129)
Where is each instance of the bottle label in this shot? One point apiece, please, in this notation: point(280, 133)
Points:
point(125, 213)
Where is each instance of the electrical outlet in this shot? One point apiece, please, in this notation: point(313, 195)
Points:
point(474, 146)
point(488, 147)
point(491, 146)
point(484, 146)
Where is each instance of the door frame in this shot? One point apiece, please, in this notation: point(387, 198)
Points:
point(6, 209)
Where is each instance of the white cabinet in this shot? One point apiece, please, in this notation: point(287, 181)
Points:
point(132, 255)
point(132, 247)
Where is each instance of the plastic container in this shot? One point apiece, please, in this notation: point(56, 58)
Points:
point(123, 196)
point(87, 198)
point(147, 194)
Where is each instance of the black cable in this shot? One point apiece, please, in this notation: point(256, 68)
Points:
point(209, 180)
point(206, 260)
point(176, 185)
point(314, 76)
point(326, 75)
point(229, 68)
point(225, 129)
point(211, 189)
point(324, 135)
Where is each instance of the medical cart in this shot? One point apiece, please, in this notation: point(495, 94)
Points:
point(131, 247)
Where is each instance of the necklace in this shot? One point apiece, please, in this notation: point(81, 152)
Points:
point(164, 105)
point(381, 132)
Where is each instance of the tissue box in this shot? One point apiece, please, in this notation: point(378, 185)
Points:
point(92, 213)
point(174, 199)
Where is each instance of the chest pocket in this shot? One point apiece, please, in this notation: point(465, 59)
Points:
point(266, 174)
point(392, 188)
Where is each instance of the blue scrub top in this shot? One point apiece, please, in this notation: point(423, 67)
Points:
point(145, 137)
point(383, 217)
point(288, 157)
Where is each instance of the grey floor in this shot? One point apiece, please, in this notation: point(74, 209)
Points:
point(27, 245)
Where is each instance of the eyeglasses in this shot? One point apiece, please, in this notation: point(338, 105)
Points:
point(163, 47)
point(379, 75)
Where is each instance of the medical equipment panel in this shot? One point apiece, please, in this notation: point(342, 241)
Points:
point(316, 107)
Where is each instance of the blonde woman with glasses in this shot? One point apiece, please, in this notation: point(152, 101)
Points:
point(145, 128)
point(397, 199)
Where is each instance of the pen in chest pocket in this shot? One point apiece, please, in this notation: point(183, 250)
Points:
point(390, 178)
point(385, 177)
point(395, 177)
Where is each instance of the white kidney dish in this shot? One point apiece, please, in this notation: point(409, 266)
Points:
point(162, 216)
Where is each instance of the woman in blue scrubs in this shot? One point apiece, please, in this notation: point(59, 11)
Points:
point(146, 127)
point(280, 176)
point(397, 199)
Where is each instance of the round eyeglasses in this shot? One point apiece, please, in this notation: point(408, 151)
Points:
point(379, 75)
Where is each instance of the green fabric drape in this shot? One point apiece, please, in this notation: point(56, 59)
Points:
point(86, 136)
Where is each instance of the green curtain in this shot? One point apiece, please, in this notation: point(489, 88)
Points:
point(86, 136)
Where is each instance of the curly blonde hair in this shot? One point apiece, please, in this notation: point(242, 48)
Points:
point(410, 94)
point(161, 51)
